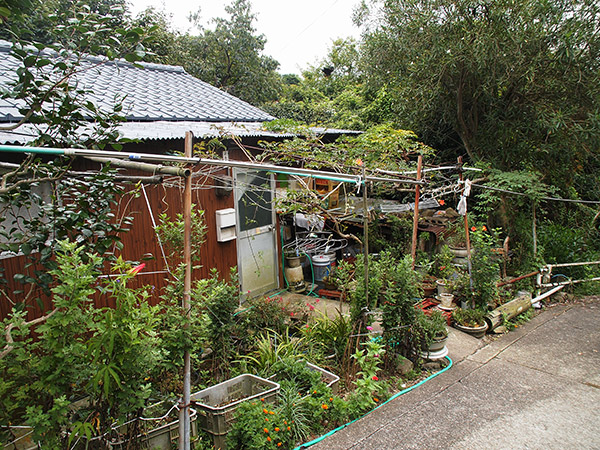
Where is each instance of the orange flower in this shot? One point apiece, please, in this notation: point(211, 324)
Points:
point(289, 428)
point(473, 228)
point(484, 228)
point(279, 444)
point(266, 420)
point(265, 430)
point(271, 412)
point(265, 411)
point(262, 399)
point(276, 428)
point(324, 406)
point(269, 438)
point(441, 202)
point(330, 399)
point(285, 422)
point(375, 399)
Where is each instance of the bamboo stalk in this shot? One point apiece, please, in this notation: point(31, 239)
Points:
point(144, 167)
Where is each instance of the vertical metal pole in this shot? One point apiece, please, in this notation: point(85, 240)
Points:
point(366, 233)
point(184, 412)
point(413, 252)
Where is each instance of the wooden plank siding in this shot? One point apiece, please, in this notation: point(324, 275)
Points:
point(141, 240)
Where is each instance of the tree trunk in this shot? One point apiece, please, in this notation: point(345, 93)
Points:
point(508, 311)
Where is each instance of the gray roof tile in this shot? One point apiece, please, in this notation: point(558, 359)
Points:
point(153, 92)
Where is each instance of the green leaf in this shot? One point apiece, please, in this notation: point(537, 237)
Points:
point(30, 60)
point(130, 57)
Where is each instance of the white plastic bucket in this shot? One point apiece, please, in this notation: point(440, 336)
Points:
point(321, 266)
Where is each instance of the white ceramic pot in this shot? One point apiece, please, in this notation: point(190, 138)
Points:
point(446, 300)
point(442, 287)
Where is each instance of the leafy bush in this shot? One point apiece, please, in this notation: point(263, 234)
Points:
point(369, 389)
point(434, 326)
point(330, 337)
point(221, 299)
point(387, 276)
point(271, 349)
point(561, 244)
point(103, 354)
point(485, 271)
point(260, 314)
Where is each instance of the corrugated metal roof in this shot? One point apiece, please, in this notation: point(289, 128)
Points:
point(175, 130)
point(153, 92)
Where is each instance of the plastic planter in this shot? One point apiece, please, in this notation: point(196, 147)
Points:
point(216, 405)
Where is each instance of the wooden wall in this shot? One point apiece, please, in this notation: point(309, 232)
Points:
point(141, 241)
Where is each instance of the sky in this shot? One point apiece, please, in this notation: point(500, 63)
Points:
point(298, 33)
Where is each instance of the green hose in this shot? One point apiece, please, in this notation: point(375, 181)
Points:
point(283, 258)
point(312, 271)
point(319, 439)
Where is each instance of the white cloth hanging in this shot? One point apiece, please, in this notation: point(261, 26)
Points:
point(462, 204)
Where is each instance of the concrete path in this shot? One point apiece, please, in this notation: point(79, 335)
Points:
point(537, 387)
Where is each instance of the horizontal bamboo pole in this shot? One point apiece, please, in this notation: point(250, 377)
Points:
point(144, 167)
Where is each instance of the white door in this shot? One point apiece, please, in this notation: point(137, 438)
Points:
point(257, 246)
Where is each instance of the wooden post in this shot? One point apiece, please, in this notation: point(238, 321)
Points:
point(184, 412)
point(415, 233)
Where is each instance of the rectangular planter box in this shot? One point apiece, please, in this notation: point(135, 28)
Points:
point(21, 440)
point(154, 437)
point(157, 435)
point(215, 405)
point(331, 380)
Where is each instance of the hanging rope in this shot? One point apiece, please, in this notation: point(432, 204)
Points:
point(162, 250)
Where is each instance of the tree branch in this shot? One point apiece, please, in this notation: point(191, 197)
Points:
point(9, 340)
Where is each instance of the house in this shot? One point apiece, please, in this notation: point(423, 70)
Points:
point(162, 103)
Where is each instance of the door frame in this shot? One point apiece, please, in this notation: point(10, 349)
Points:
point(249, 234)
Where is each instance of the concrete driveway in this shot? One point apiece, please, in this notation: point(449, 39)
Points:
point(537, 387)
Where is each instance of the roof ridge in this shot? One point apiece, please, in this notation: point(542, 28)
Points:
point(6, 46)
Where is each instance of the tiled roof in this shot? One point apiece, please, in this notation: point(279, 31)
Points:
point(154, 92)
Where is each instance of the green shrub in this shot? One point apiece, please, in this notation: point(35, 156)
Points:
point(468, 317)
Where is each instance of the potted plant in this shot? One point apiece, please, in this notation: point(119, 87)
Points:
point(437, 332)
point(444, 269)
point(424, 267)
point(471, 321)
point(461, 288)
point(485, 269)
point(456, 239)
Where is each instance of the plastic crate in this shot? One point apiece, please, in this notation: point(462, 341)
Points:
point(330, 379)
point(215, 405)
point(20, 440)
point(156, 434)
